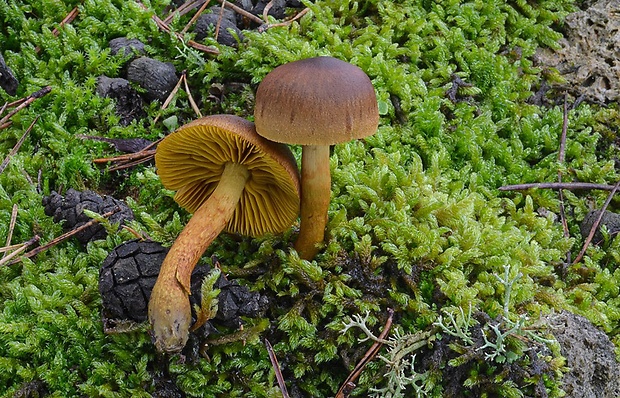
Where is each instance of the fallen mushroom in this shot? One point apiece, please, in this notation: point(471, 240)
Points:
point(315, 102)
point(232, 179)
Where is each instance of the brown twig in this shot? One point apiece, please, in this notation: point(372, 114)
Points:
point(195, 17)
point(289, 21)
point(241, 11)
point(145, 154)
point(125, 165)
point(561, 153)
point(596, 224)
point(23, 103)
point(571, 186)
point(18, 249)
point(372, 352)
point(219, 21)
point(12, 222)
point(191, 98)
point(266, 11)
point(68, 19)
point(128, 157)
point(276, 368)
point(183, 9)
point(19, 143)
point(64, 236)
point(164, 26)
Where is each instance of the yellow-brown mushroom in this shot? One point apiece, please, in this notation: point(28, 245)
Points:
point(233, 180)
point(315, 102)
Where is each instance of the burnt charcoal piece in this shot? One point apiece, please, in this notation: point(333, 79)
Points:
point(126, 47)
point(7, 80)
point(128, 274)
point(129, 104)
point(156, 77)
point(70, 209)
point(206, 23)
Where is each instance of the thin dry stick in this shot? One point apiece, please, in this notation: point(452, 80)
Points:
point(266, 11)
point(191, 99)
point(147, 156)
point(64, 236)
point(20, 249)
point(276, 368)
point(195, 17)
point(241, 11)
point(561, 153)
point(19, 143)
point(182, 10)
point(290, 21)
point(372, 352)
point(12, 222)
point(571, 186)
point(9, 248)
point(596, 224)
point(68, 19)
point(163, 26)
point(25, 102)
point(146, 153)
point(128, 157)
point(172, 94)
point(219, 20)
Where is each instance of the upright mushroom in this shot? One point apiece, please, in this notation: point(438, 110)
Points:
point(232, 179)
point(315, 102)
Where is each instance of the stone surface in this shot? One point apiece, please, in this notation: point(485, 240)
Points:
point(589, 55)
point(155, 77)
point(610, 220)
point(7, 80)
point(206, 24)
point(129, 104)
point(126, 46)
point(594, 371)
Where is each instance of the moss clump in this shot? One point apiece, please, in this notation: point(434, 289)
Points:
point(417, 223)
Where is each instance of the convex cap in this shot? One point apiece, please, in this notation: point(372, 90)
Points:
point(192, 159)
point(316, 101)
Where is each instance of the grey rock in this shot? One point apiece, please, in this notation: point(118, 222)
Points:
point(7, 80)
point(129, 104)
point(588, 55)
point(594, 370)
point(206, 23)
point(126, 46)
point(610, 220)
point(156, 77)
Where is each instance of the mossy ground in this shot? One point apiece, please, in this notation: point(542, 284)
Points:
point(417, 222)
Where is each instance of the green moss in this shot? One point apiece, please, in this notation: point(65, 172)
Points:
point(416, 221)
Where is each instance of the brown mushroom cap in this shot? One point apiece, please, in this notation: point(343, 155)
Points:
point(191, 161)
point(316, 101)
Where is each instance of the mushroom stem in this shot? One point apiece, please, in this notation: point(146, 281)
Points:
point(169, 308)
point(315, 195)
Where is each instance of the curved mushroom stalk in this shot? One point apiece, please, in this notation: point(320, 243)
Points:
point(169, 308)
